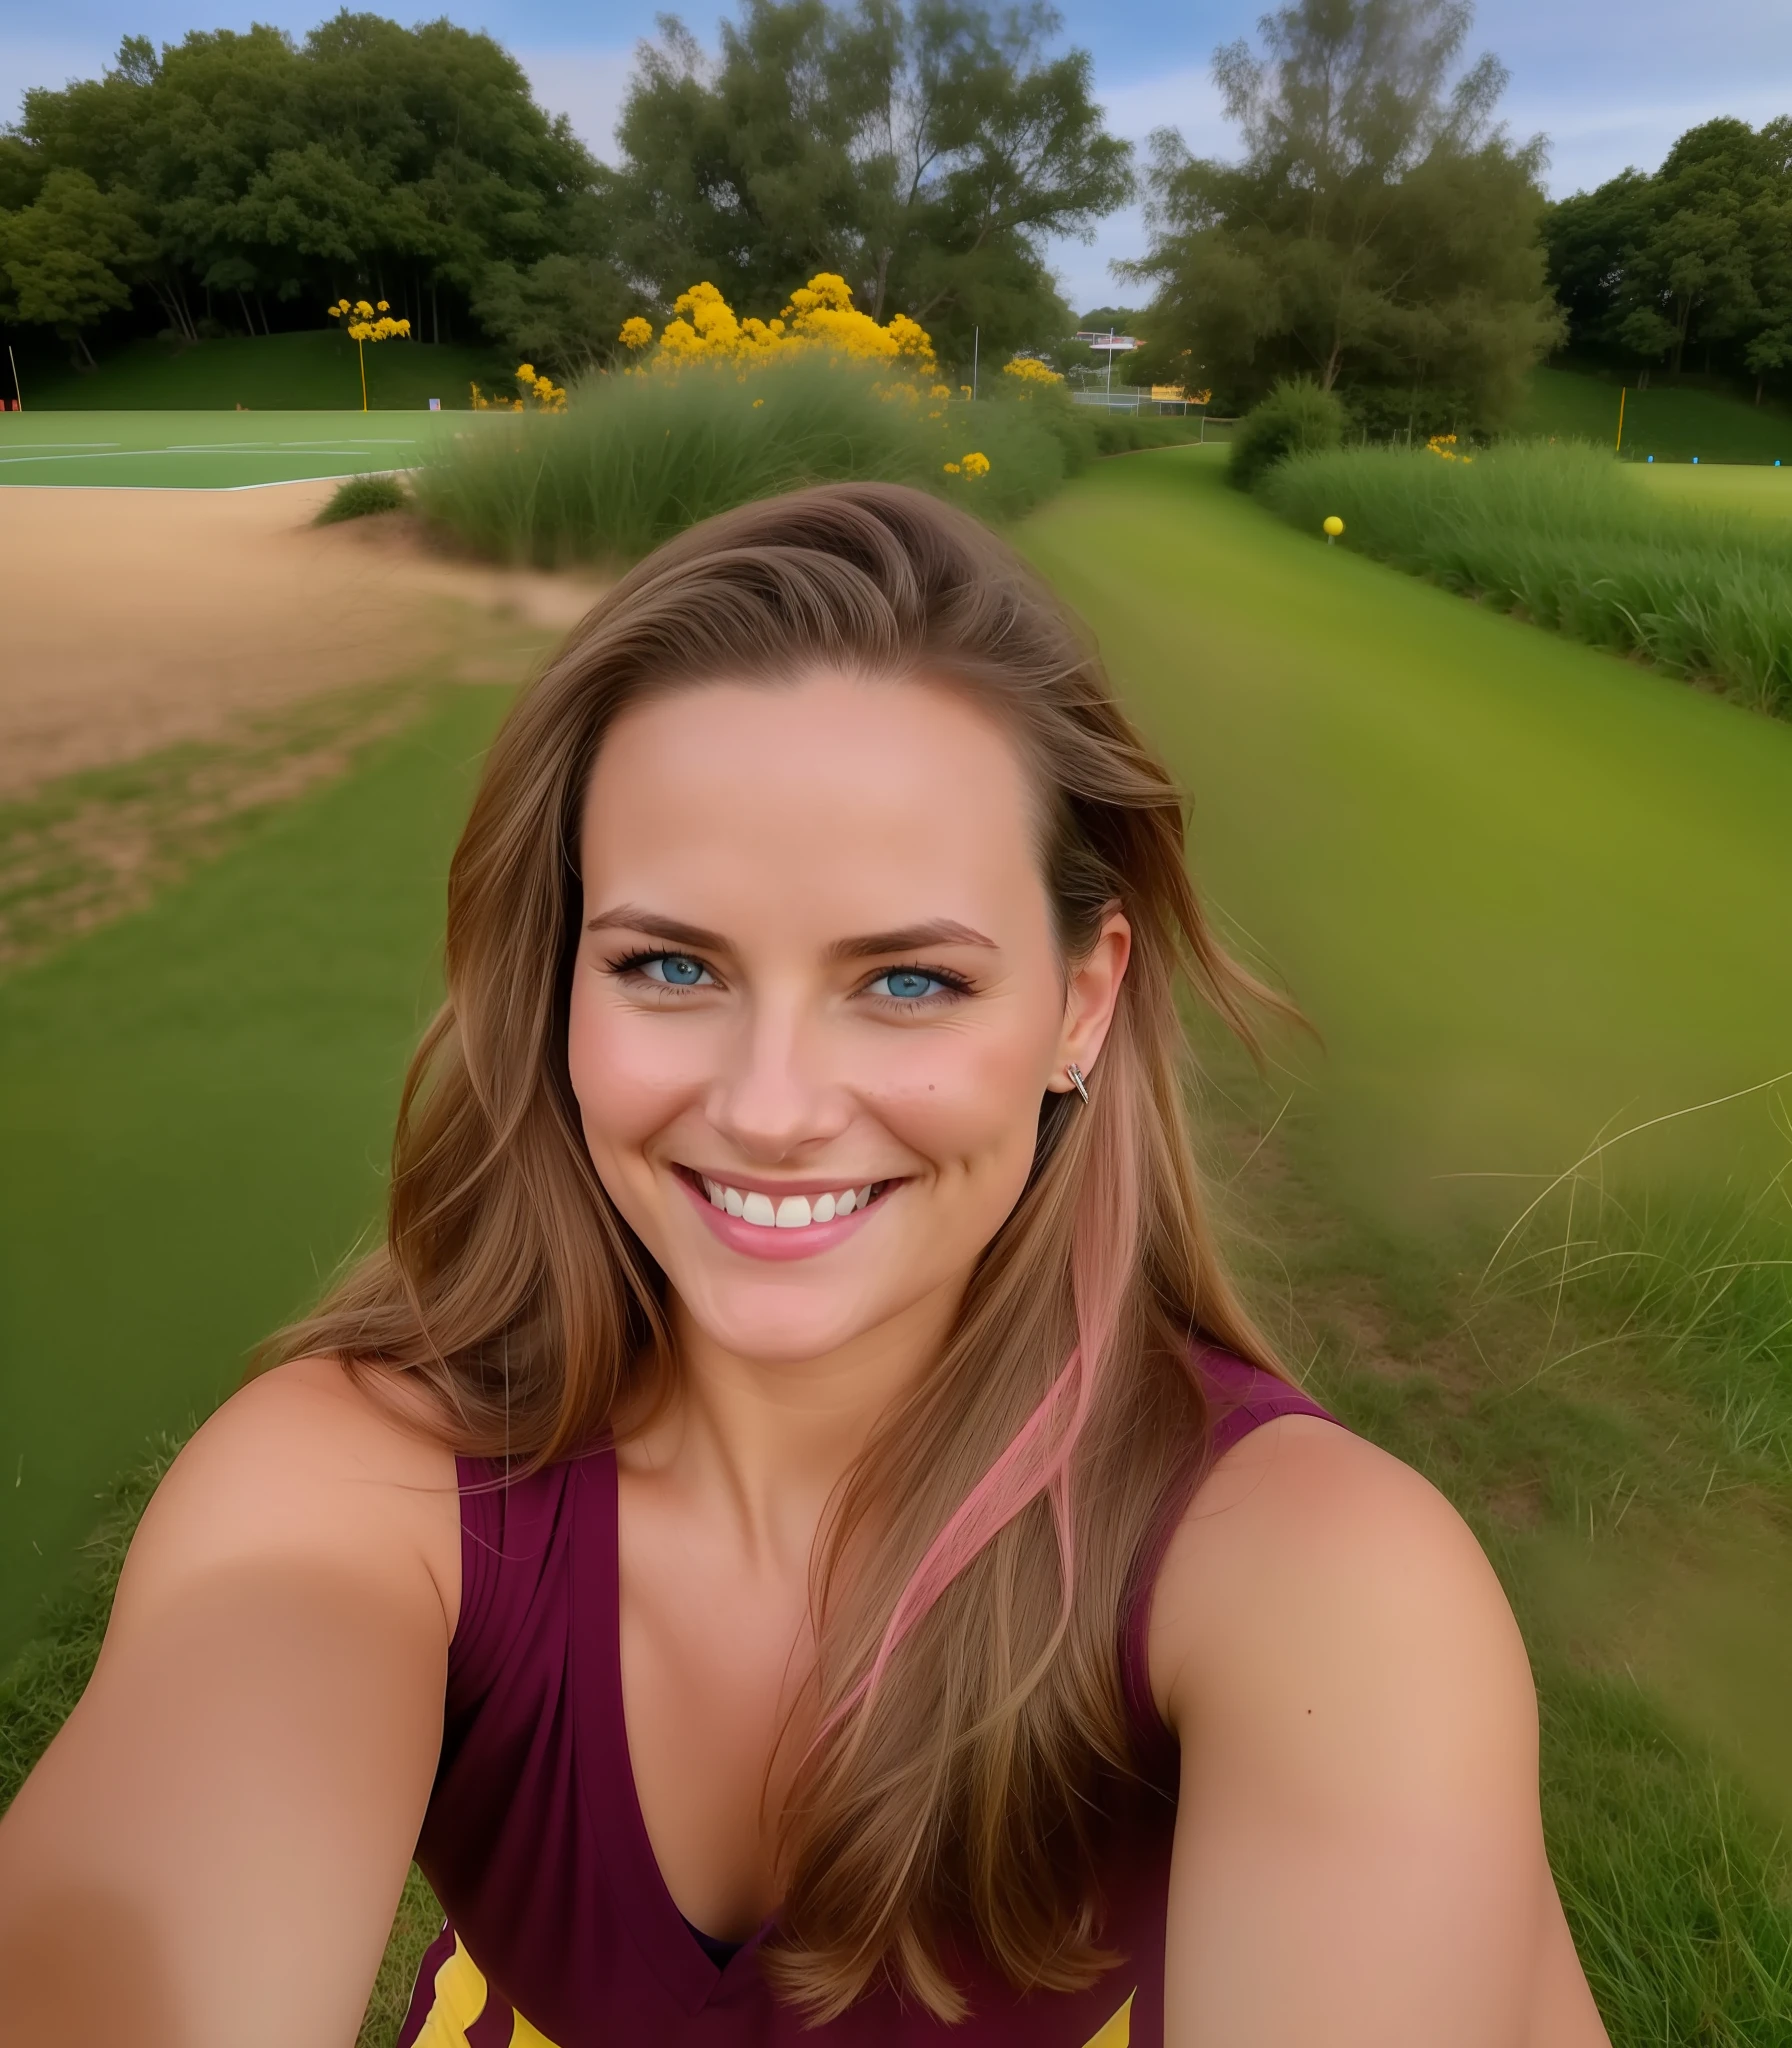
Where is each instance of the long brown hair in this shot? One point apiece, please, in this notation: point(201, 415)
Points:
point(967, 1681)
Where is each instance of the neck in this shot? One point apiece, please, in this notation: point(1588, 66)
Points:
point(766, 1442)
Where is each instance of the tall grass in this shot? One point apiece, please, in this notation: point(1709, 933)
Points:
point(1565, 537)
point(1676, 1891)
point(636, 459)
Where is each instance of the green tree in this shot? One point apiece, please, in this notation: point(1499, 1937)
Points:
point(270, 174)
point(70, 254)
point(1692, 259)
point(1379, 234)
point(562, 311)
point(921, 152)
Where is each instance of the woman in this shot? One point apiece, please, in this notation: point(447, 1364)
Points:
point(796, 1529)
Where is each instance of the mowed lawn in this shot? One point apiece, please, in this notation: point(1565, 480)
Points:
point(195, 1114)
point(1526, 892)
point(1721, 486)
point(1674, 423)
point(215, 450)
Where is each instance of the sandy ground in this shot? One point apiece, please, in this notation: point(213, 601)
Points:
point(133, 619)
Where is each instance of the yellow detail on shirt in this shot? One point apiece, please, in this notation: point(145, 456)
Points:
point(459, 2000)
point(1118, 2031)
point(461, 1995)
point(522, 2035)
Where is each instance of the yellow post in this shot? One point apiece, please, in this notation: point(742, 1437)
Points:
point(1619, 448)
point(361, 351)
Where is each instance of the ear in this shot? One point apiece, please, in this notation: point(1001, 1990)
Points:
point(1089, 999)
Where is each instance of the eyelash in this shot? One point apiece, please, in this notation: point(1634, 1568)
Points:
point(952, 985)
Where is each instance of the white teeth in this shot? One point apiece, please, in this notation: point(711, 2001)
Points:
point(788, 1212)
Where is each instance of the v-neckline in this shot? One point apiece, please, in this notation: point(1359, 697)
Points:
point(612, 1796)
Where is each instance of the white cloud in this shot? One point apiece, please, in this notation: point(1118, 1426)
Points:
point(587, 86)
point(1187, 100)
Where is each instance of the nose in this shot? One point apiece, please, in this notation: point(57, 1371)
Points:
point(774, 1100)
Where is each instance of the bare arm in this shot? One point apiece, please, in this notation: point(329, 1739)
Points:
point(1359, 1854)
point(211, 1850)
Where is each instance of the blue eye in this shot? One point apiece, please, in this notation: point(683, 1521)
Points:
point(676, 970)
point(907, 984)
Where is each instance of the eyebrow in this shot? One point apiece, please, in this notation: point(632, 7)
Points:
point(910, 938)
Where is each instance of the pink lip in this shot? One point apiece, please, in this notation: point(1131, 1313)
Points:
point(758, 1241)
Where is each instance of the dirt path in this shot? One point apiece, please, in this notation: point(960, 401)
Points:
point(130, 620)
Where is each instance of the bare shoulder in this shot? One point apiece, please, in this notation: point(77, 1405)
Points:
point(1358, 1781)
point(1323, 1603)
point(303, 1465)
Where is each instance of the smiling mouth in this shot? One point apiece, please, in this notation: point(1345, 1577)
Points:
point(767, 1211)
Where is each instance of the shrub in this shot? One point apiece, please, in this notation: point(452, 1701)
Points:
point(362, 496)
point(639, 457)
point(1575, 542)
point(1297, 418)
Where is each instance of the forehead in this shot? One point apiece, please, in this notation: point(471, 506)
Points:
point(864, 801)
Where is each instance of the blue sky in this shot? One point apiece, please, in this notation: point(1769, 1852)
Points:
point(1611, 82)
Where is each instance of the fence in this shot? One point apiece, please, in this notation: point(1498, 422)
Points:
point(1135, 400)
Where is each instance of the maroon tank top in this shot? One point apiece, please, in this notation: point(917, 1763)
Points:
point(560, 1930)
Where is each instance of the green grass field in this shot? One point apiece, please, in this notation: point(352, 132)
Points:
point(1721, 487)
point(1672, 423)
point(195, 1112)
point(1522, 889)
point(215, 451)
point(276, 372)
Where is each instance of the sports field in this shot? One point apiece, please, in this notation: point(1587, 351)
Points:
point(212, 450)
point(1722, 487)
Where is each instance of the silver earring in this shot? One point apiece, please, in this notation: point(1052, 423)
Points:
point(1076, 1080)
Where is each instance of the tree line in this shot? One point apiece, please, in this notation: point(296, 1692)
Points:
point(1379, 233)
point(1689, 266)
point(244, 181)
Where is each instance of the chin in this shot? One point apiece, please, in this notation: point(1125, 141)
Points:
point(774, 1321)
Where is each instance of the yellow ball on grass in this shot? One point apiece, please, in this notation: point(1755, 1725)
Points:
point(1334, 525)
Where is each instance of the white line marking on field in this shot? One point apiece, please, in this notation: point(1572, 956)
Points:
point(275, 483)
point(102, 455)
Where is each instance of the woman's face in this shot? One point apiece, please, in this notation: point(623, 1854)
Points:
point(819, 999)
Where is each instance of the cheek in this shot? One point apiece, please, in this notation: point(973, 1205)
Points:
point(968, 1101)
point(630, 1074)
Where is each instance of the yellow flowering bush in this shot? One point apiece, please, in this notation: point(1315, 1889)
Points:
point(1030, 370)
point(363, 321)
point(968, 465)
point(546, 394)
point(820, 316)
point(1444, 447)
